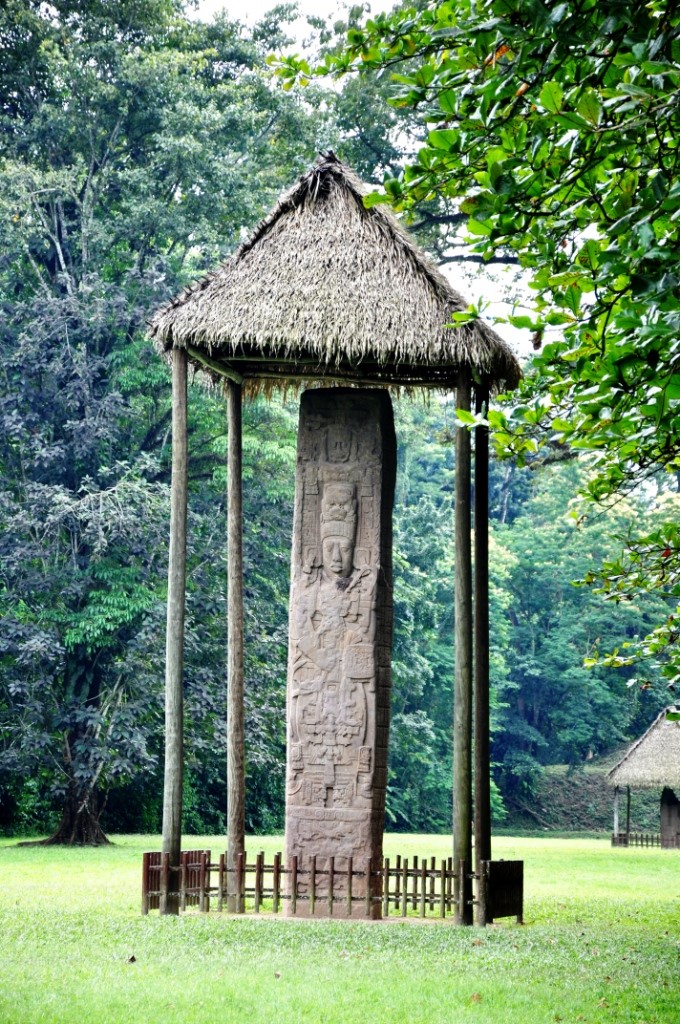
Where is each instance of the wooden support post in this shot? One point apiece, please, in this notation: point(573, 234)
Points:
point(386, 887)
point(462, 700)
point(174, 648)
point(481, 642)
point(235, 712)
point(627, 815)
point(616, 815)
point(404, 887)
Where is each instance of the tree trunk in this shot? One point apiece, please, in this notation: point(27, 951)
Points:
point(79, 825)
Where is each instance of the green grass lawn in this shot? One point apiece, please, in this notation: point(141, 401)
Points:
point(601, 944)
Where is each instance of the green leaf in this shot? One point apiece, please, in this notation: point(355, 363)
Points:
point(589, 106)
point(374, 199)
point(448, 101)
point(551, 97)
point(443, 138)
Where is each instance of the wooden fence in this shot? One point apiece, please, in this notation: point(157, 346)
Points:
point(645, 839)
point(416, 887)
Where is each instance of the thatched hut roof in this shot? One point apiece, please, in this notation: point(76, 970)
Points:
point(326, 288)
point(653, 761)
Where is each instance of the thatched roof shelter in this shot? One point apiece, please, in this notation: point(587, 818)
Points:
point(653, 761)
point(326, 288)
point(329, 291)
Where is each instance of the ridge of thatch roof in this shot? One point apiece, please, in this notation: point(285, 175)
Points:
point(327, 288)
point(653, 761)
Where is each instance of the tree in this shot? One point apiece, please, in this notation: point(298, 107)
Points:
point(559, 704)
point(135, 146)
point(553, 126)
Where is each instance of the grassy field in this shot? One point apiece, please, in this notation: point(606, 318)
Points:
point(600, 944)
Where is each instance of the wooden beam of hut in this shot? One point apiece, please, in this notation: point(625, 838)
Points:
point(462, 699)
point(235, 711)
point(174, 662)
point(222, 368)
point(481, 639)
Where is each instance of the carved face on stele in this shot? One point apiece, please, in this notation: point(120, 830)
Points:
point(338, 555)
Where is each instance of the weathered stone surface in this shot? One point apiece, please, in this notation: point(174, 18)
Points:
point(340, 638)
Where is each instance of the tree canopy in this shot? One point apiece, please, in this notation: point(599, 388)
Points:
point(554, 127)
point(136, 149)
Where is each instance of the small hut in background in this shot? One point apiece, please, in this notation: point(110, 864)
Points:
point(328, 291)
point(652, 762)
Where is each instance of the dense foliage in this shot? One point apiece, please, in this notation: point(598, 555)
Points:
point(136, 147)
point(553, 127)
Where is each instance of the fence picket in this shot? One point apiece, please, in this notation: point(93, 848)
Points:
point(164, 882)
point(397, 893)
point(369, 902)
point(293, 885)
point(258, 881)
point(221, 870)
point(204, 881)
point(312, 888)
point(442, 889)
point(433, 876)
point(276, 883)
point(414, 895)
point(146, 862)
point(331, 877)
point(423, 886)
point(240, 886)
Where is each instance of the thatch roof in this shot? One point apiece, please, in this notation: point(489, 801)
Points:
point(327, 288)
point(653, 761)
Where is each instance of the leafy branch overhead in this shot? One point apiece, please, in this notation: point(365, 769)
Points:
point(554, 127)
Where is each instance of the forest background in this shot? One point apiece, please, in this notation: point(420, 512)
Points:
point(138, 147)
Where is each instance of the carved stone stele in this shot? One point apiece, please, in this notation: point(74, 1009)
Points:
point(340, 639)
